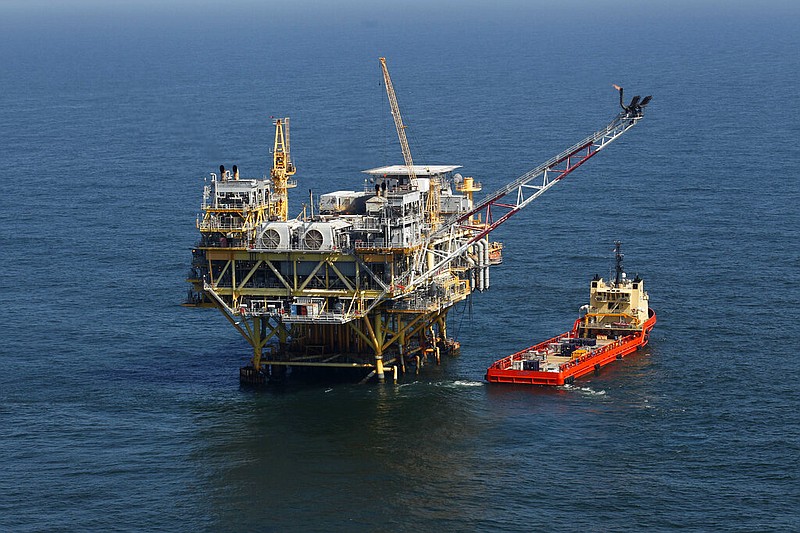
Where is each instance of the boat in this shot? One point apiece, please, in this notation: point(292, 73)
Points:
point(495, 253)
point(616, 322)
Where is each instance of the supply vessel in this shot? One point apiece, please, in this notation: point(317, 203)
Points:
point(361, 279)
point(616, 322)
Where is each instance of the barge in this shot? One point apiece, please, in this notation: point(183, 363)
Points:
point(616, 322)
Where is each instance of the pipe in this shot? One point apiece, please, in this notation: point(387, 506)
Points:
point(484, 255)
point(471, 270)
point(478, 271)
point(486, 263)
point(480, 252)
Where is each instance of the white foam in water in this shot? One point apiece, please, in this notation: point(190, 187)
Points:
point(592, 392)
point(584, 390)
point(468, 383)
point(458, 383)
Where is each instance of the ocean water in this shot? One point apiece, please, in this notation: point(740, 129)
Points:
point(121, 410)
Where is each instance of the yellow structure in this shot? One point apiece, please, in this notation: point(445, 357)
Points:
point(469, 187)
point(282, 169)
point(617, 304)
point(327, 291)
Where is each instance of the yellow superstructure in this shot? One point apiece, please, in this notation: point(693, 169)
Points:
point(282, 170)
point(618, 304)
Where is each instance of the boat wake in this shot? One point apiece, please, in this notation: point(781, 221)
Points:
point(460, 383)
point(443, 384)
point(584, 390)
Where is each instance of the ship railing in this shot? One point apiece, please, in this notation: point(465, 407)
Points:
point(378, 243)
point(597, 351)
point(262, 306)
point(414, 303)
point(228, 205)
point(365, 223)
point(420, 304)
point(476, 186)
point(276, 309)
point(405, 220)
point(284, 316)
point(319, 318)
point(217, 225)
point(453, 292)
point(507, 361)
point(228, 244)
point(522, 354)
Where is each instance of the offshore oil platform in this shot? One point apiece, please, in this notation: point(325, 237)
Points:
point(365, 278)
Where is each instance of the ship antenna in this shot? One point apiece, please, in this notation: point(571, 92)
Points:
point(618, 256)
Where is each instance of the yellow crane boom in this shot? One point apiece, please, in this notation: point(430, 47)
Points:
point(282, 168)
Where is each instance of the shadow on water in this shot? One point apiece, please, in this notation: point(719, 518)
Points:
point(415, 449)
point(273, 453)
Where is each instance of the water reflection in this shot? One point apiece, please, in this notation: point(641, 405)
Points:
point(290, 457)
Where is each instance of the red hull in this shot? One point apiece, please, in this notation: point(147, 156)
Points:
point(502, 371)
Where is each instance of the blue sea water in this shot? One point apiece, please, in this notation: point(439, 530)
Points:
point(121, 410)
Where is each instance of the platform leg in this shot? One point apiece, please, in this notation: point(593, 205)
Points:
point(379, 367)
point(401, 345)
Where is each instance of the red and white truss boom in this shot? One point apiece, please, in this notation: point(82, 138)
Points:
point(527, 188)
point(536, 182)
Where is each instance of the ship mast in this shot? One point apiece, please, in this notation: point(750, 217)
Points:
point(618, 259)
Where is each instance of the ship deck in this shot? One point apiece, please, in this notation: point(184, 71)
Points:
point(564, 358)
point(550, 359)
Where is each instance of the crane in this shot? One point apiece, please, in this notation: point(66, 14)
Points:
point(432, 207)
point(282, 169)
point(459, 232)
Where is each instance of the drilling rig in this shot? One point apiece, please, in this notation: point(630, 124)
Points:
point(367, 281)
